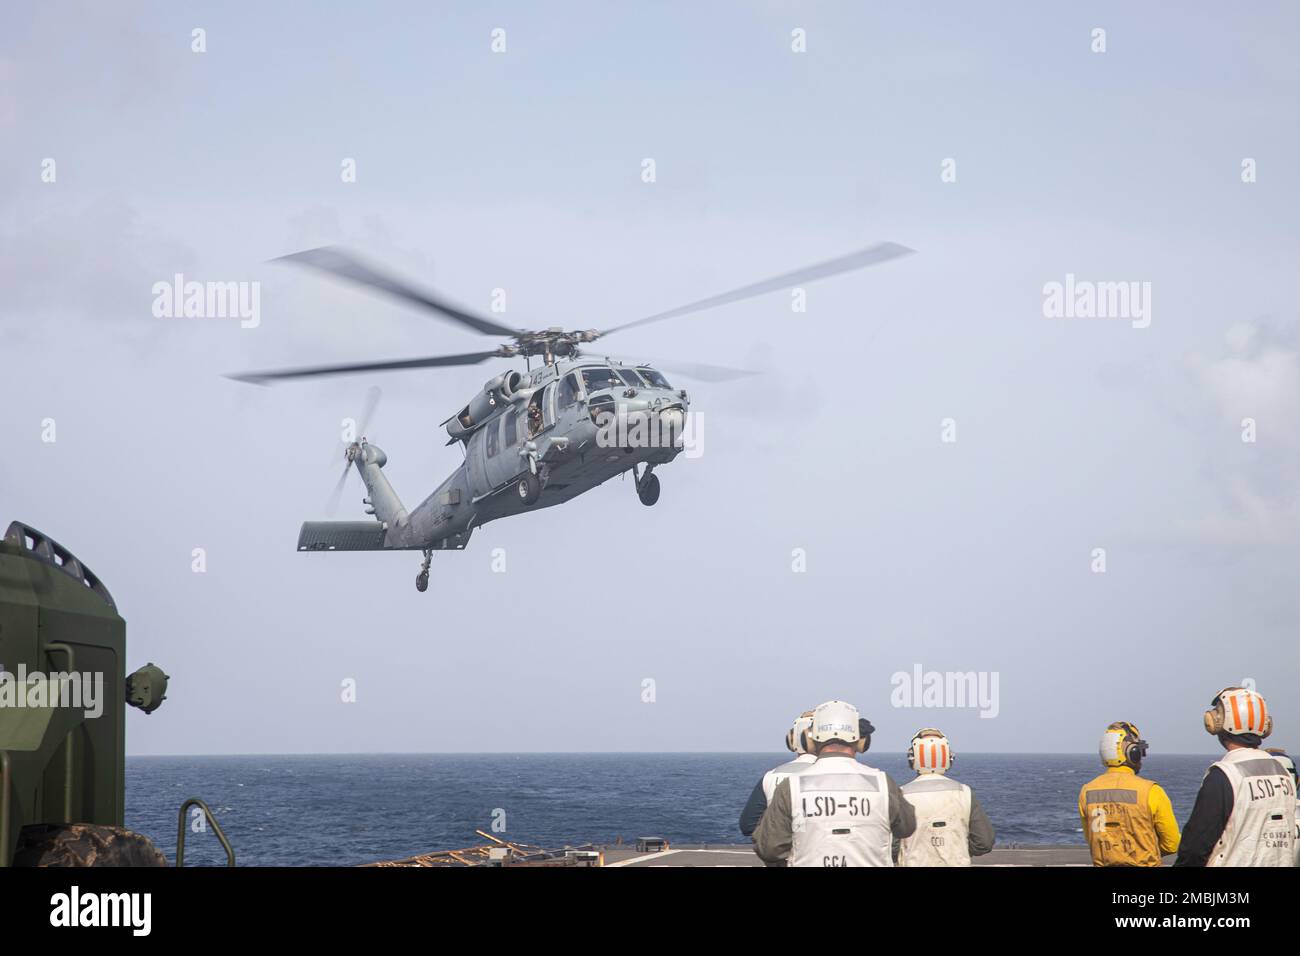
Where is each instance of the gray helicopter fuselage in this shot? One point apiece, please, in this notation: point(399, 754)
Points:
point(593, 419)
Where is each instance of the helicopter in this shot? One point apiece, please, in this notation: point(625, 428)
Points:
point(531, 439)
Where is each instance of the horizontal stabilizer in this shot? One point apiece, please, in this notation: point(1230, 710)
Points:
point(341, 536)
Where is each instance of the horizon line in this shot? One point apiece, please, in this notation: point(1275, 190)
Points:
point(622, 753)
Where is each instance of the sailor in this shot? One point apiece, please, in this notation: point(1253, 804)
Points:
point(1245, 812)
point(836, 811)
point(1283, 757)
point(796, 741)
point(951, 826)
point(1127, 819)
point(1289, 766)
point(534, 419)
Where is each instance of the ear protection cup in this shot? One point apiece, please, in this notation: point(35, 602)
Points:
point(1135, 748)
point(865, 730)
point(1213, 719)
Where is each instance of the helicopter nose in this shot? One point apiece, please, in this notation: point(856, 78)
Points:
point(672, 421)
point(672, 418)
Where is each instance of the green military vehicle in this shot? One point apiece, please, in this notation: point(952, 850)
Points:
point(63, 696)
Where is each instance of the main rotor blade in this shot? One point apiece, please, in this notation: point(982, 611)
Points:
point(436, 361)
point(340, 263)
point(870, 256)
point(704, 373)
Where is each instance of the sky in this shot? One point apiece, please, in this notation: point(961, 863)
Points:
point(1001, 142)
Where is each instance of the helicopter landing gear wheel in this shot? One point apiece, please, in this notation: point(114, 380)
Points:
point(647, 489)
point(529, 489)
point(422, 579)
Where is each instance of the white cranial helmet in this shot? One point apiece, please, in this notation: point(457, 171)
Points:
point(930, 752)
point(796, 738)
point(1238, 711)
point(835, 720)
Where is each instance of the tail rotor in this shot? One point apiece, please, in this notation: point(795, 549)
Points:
point(358, 433)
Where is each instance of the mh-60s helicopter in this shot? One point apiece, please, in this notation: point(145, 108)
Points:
point(531, 439)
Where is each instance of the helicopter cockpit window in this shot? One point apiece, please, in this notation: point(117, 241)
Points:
point(492, 439)
point(602, 409)
point(568, 391)
point(631, 378)
point(654, 378)
point(599, 378)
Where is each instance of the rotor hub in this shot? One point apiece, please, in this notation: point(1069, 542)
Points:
point(549, 343)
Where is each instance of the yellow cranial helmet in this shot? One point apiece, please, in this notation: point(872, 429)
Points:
point(1122, 745)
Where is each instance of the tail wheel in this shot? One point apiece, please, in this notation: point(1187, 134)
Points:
point(84, 844)
point(647, 489)
point(529, 489)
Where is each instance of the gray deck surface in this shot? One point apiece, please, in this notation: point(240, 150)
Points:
point(718, 855)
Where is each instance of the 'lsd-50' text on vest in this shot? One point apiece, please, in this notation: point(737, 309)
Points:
point(1261, 829)
point(839, 815)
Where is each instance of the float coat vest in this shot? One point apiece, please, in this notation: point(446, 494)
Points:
point(1261, 829)
point(1296, 848)
point(942, 823)
point(1119, 826)
point(777, 774)
point(839, 815)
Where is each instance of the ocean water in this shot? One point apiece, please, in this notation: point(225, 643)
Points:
point(350, 809)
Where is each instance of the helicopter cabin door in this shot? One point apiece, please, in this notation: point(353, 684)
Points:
point(565, 403)
point(501, 447)
point(548, 406)
point(474, 464)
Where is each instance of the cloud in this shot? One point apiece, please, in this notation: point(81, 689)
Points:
point(61, 43)
point(1256, 380)
point(89, 262)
